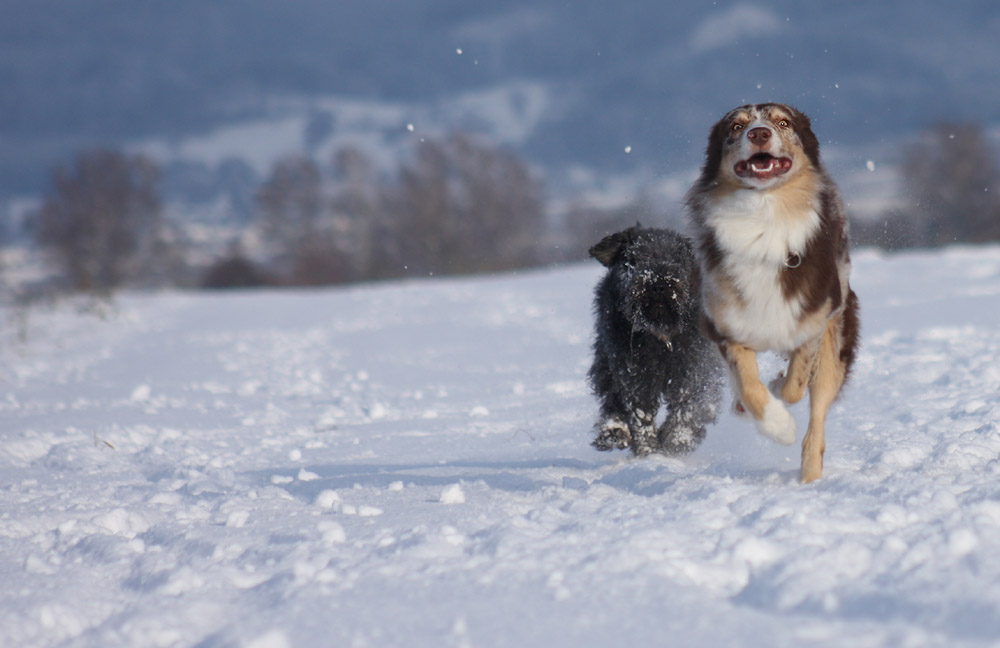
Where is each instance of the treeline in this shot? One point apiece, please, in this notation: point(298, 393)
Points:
point(101, 224)
point(951, 193)
point(457, 205)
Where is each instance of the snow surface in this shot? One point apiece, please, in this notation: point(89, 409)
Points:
point(408, 465)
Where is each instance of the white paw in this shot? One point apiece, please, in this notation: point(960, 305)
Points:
point(778, 424)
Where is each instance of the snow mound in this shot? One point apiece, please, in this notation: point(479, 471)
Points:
point(452, 494)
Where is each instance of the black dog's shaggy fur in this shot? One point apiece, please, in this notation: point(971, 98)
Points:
point(648, 347)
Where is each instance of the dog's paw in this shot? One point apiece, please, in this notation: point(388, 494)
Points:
point(777, 424)
point(680, 439)
point(603, 443)
point(644, 440)
point(645, 445)
point(612, 435)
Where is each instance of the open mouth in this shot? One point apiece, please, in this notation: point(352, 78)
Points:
point(763, 166)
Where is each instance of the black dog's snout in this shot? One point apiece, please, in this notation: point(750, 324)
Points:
point(659, 304)
point(658, 296)
point(667, 291)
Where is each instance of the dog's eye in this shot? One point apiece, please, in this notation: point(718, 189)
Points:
point(783, 123)
point(737, 127)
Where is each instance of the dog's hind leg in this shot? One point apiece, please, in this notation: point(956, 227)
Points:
point(826, 383)
point(836, 354)
point(822, 392)
point(772, 418)
point(792, 386)
point(683, 431)
point(693, 400)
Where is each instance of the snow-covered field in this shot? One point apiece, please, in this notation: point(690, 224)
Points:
point(408, 465)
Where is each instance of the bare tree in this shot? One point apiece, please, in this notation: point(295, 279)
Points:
point(501, 206)
point(290, 202)
point(358, 212)
point(296, 222)
point(951, 179)
point(462, 206)
point(457, 206)
point(422, 231)
point(99, 217)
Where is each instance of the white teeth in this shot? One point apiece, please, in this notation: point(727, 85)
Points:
point(761, 168)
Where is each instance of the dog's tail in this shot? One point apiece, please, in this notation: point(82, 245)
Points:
point(850, 333)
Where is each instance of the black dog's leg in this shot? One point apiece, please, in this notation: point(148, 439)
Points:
point(644, 438)
point(642, 399)
point(694, 403)
point(613, 429)
point(635, 429)
point(613, 432)
point(623, 423)
point(682, 432)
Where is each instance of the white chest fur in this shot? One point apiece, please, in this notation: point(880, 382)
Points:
point(756, 231)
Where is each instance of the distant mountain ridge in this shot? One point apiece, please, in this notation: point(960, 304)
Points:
point(593, 78)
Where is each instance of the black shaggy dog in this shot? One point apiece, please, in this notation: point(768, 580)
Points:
point(648, 348)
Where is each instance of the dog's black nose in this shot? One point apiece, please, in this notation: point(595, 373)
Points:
point(759, 136)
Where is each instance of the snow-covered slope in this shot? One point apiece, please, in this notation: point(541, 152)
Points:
point(408, 465)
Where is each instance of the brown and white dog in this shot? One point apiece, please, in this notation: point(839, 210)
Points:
point(772, 239)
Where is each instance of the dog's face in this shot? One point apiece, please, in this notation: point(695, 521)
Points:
point(653, 276)
point(760, 146)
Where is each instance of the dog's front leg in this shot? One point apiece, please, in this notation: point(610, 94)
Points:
point(643, 431)
point(772, 418)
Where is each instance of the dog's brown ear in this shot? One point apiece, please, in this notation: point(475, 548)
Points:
point(607, 250)
point(713, 152)
point(810, 143)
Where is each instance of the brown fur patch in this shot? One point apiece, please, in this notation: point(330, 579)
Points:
point(817, 279)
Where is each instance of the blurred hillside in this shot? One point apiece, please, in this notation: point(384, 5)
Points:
point(644, 74)
point(606, 103)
